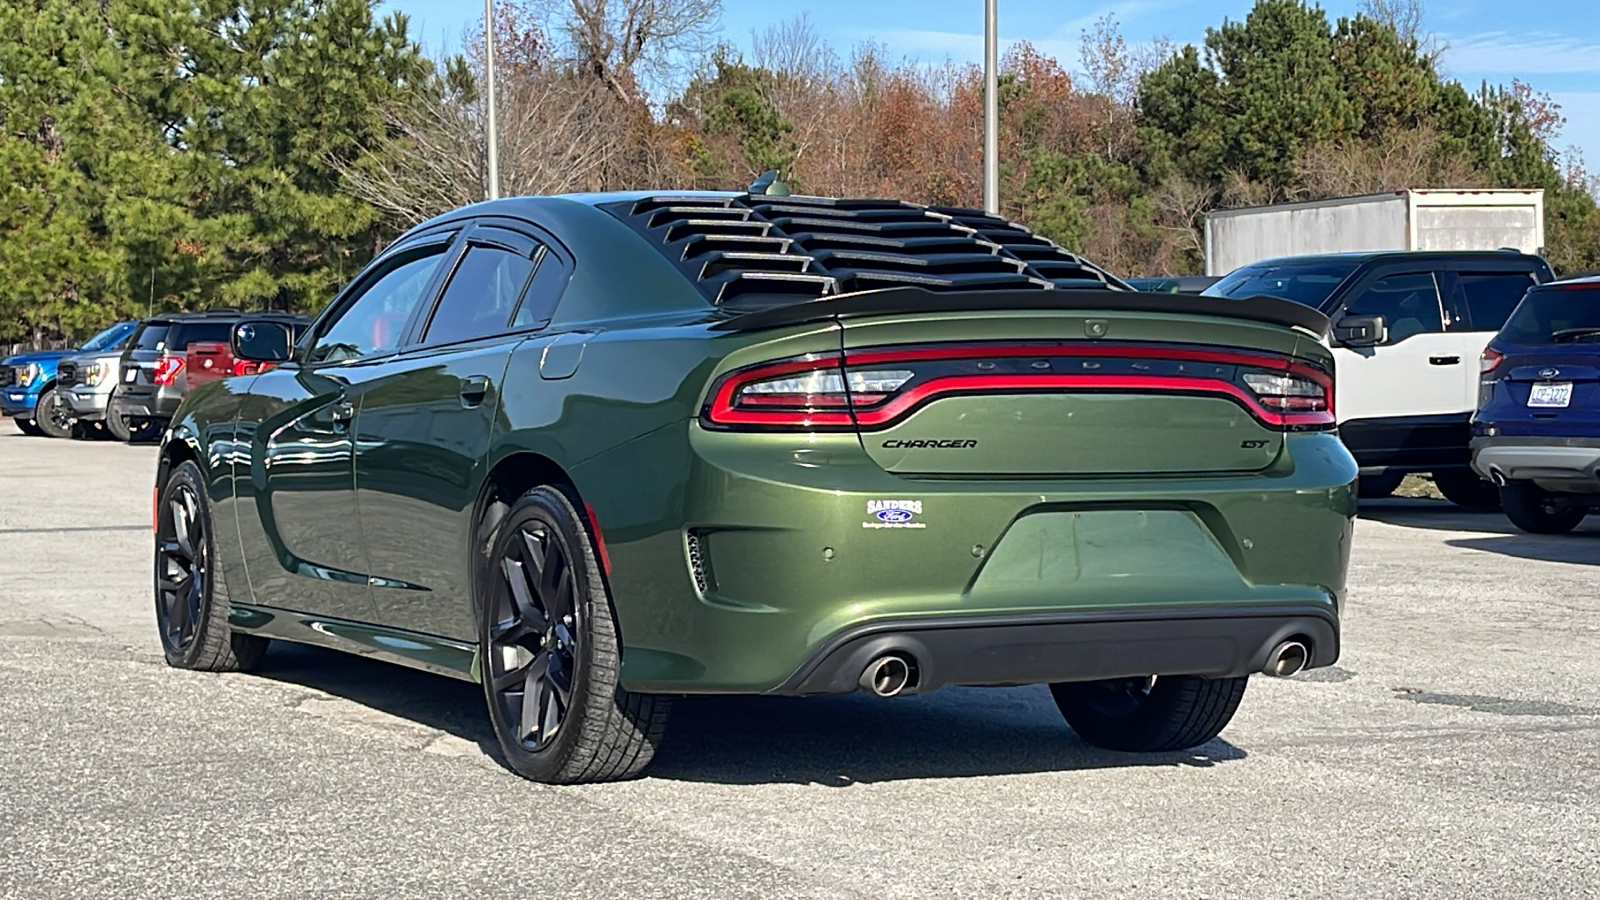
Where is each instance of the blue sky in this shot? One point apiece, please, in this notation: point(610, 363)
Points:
point(1554, 45)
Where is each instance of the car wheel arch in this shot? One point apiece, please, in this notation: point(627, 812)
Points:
point(179, 449)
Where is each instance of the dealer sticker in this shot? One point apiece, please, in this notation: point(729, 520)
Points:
point(893, 514)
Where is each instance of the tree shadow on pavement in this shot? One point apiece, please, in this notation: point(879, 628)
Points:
point(836, 740)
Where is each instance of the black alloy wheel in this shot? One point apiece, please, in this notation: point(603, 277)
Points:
point(191, 588)
point(52, 415)
point(183, 554)
point(533, 642)
point(549, 657)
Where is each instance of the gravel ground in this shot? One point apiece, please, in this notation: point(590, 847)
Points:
point(1451, 753)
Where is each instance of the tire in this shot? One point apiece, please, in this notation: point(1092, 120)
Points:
point(1538, 511)
point(1465, 489)
point(191, 589)
point(1376, 487)
point(116, 425)
point(1175, 712)
point(27, 427)
point(50, 415)
point(545, 618)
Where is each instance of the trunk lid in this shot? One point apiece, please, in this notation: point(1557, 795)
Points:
point(1032, 393)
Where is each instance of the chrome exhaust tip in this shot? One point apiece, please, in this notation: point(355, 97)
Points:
point(1286, 659)
point(888, 675)
point(1497, 477)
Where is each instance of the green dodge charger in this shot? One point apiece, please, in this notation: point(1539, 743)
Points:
point(593, 452)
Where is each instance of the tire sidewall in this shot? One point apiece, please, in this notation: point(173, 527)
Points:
point(188, 657)
point(42, 415)
point(117, 426)
point(1523, 504)
point(550, 508)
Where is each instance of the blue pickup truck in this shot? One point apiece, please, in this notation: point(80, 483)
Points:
point(28, 384)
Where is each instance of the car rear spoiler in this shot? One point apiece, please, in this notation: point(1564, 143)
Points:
point(1270, 310)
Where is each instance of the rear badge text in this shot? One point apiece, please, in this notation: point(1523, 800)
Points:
point(930, 444)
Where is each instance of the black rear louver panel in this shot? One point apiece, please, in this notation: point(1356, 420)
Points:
point(754, 251)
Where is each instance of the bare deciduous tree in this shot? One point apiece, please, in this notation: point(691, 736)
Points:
point(625, 44)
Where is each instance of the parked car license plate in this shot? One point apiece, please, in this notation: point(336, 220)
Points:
point(1551, 394)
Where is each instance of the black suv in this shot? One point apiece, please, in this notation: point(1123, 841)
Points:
point(1408, 329)
point(152, 381)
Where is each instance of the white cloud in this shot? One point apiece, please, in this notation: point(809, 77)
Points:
point(1529, 53)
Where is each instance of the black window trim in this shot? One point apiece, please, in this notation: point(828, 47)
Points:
point(549, 251)
point(446, 241)
point(480, 234)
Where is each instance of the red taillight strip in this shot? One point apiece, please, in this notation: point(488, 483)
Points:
point(723, 412)
point(721, 409)
point(1173, 354)
point(957, 384)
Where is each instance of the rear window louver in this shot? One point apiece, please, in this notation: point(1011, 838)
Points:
point(755, 251)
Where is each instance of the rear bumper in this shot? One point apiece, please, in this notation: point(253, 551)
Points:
point(769, 570)
point(1540, 459)
point(159, 404)
point(1217, 643)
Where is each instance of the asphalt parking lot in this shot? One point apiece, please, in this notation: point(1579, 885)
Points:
point(1452, 752)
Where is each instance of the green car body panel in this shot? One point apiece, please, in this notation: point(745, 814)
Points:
point(743, 560)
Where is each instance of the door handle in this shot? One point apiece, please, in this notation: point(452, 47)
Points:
point(473, 389)
point(342, 411)
point(1444, 360)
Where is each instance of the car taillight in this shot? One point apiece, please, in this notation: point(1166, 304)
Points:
point(249, 367)
point(874, 388)
point(167, 369)
point(1489, 360)
point(1288, 393)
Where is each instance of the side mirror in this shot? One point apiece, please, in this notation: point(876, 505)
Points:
point(1360, 331)
point(264, 342)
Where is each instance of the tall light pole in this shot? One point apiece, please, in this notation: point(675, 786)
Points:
point(991, 107)
point(488, 66)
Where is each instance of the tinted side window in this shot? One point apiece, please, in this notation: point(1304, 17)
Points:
point(1487, 298)
point(373, 323)
point(480, 296)
point(186, 333)
point(152, 336)
point(1409, 305)
point(539, 300)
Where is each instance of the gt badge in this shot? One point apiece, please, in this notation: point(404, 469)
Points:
point(894, 514)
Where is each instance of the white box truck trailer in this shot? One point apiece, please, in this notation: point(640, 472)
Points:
point(1402, 220)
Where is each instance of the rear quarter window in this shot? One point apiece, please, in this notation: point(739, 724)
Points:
point(186, 333)
point(1487, 298)
point(152, 336)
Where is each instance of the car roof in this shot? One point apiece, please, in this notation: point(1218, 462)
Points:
point(1366, 256)
point(1584, 282)
point(211, 314)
